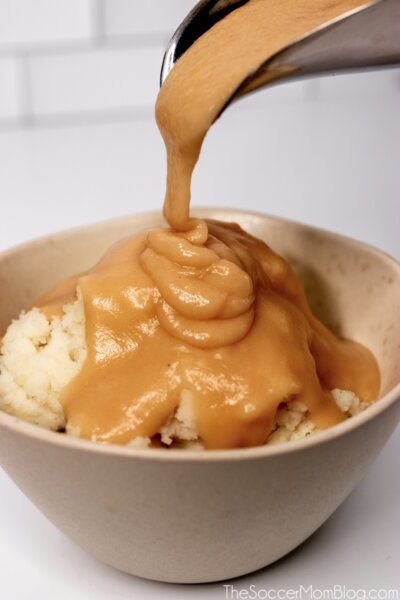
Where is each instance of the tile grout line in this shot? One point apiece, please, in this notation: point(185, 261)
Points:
point(98, 18)
point(79, 119)
point(25, 91)
point(71, 46)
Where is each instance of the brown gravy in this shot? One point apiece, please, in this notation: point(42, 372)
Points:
point(204, 306)
point(209, 72)
point(225, 318)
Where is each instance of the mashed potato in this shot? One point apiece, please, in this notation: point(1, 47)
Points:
point(39, 356)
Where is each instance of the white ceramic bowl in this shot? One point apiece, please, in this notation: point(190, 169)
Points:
point(195, 517)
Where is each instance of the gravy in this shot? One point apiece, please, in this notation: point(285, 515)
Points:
point(203, 306)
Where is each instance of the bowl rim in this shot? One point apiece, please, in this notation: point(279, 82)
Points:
point(35, 432)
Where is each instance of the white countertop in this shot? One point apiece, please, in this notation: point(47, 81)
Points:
point(333, 161)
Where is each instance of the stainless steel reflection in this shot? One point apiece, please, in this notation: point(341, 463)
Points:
point(367, 37)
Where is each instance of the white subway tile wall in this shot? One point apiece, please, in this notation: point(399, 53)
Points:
point(9, 89)
point(124, 17)
point(33, 21)
point(67, 60)
point(64, 61)
point(98, 80)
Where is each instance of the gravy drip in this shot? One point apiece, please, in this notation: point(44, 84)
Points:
point(209, 72)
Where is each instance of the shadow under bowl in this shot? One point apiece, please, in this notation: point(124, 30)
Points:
point(191, 516)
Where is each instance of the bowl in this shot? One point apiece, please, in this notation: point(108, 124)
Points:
point(187, 516)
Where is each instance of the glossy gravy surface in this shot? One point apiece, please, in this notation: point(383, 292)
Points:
point(223, 317)
point(207, 75)
point(203, 306)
